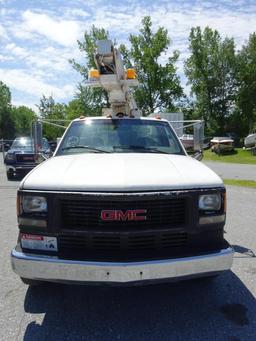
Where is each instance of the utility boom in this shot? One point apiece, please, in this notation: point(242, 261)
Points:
point(112, 76)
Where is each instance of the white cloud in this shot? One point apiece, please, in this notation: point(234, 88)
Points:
point(64, 32)
point(26, 103)
point(2, 30)
point(48, 59)
point(77, 12)
point(16, 50)
point(3, 34)
point(27, 83)
point(4, 58)
point(178, 18)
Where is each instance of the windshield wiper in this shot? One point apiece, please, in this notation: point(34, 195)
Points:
point(141, 148)
point(86, 147)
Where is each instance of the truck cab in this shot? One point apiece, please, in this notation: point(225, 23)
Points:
point(120, 202)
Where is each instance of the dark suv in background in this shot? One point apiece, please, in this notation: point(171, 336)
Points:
point(20, 158)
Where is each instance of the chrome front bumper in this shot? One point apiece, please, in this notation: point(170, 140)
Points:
point(20, 168)
point(53, 269)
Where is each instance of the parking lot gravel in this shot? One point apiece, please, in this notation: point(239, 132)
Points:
point(233, 170)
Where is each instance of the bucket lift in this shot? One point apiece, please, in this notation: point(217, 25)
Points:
point(112, 76)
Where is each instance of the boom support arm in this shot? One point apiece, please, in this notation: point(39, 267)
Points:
point(112, 76)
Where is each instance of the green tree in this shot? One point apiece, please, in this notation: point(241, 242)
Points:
point(5, 95)
point(159, 84)
point(75, 109)
point(7, 128)
point(23, 118)
point(246, 99)
point(92, 99)
point(49, 110)
point(211, 71)
point(46, 106)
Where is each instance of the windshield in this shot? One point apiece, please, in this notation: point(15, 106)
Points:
point(119, 136)
point(26, 143)
point(22, 143)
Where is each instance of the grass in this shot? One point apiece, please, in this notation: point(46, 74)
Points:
point(244, 183)
point(238, 156)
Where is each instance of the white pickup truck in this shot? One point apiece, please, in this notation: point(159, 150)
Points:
point(120, 202)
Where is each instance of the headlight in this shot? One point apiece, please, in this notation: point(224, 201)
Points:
point(9, 156)
point(210, 202)
point(32, 204)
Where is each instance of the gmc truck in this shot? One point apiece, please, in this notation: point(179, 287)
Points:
point(120, 202)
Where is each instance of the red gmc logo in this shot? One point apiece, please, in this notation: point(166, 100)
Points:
point(118, 215)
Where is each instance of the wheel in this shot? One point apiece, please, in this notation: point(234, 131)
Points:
point(9, 175)
point(31, 282)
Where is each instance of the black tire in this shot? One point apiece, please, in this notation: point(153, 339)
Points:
point(9, 175)
point(31, 282)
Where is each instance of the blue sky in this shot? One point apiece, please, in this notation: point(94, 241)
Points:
point(37, 38)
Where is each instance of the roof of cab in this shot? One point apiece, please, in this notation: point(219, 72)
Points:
point(83, 118)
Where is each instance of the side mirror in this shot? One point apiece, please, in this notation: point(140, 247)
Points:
point(198, 155)
point(41, 157)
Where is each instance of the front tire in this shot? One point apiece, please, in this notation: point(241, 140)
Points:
point(10, 175)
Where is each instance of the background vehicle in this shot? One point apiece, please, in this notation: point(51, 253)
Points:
point(187, 141)
point(250, 140)
point(222, 144)
point(20, 158)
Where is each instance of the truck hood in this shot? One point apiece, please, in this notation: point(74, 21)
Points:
point(120, 172)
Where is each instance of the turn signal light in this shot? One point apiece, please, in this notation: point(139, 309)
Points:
point(94, 74)
point(130, 74)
